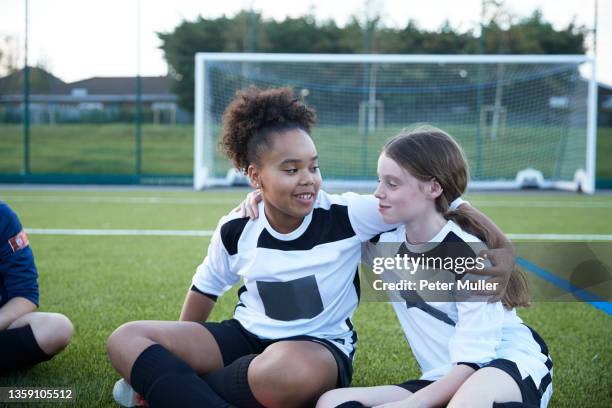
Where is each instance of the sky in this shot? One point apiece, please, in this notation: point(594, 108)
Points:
point(78, 39)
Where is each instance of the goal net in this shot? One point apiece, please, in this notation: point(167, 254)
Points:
point(523, 121)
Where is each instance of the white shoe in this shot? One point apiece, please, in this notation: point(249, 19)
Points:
point(125, 395)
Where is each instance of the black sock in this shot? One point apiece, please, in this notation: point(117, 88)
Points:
point(165, 380)
point(351, 404)
point(19, 349)
point(232, 384)
point(512, 405)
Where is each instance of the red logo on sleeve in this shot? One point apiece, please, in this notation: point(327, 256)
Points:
point(19, 241)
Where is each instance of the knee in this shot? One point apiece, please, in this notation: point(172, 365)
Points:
point(285, 381)
point(463, 400)
point(122, 335)
point(53, 333)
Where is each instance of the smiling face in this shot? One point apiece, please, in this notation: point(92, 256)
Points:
point(401, 196)
point(289, 178)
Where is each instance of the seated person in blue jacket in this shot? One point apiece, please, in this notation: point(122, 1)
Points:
point(27, 337)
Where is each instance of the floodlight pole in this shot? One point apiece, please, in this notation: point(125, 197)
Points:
point(26, 101)
point(592, 117)
point(138, 97)
point(252, 31)
point(366, 85)
point(479, 96)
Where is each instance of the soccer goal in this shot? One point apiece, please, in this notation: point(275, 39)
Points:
point(523, 120)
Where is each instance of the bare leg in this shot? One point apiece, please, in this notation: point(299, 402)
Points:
point(189, 341)
point(292, 374)
point(368, 396)
point(484, 387)
point(52, 331)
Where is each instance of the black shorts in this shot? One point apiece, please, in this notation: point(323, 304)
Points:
point(529, 392)
point(235, 341)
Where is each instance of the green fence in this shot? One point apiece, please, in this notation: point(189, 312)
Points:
point(68, 119)
point(105, 153)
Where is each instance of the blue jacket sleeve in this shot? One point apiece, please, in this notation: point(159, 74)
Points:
point(18, 274)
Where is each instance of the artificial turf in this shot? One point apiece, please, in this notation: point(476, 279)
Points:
point(101, 282)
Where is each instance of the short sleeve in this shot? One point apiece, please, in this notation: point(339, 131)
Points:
point(214, 275)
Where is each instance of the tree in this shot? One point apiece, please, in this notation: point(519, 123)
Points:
point(504, 33)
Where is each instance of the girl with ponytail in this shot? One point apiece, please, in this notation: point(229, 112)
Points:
point(471, 353)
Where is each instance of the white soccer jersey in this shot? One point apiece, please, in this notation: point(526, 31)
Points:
point(442, 334)
point(301, 283)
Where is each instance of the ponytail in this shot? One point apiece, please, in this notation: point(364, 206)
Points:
point(517, 291)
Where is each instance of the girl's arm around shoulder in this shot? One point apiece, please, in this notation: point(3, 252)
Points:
point(363, 215)
point(501, 254)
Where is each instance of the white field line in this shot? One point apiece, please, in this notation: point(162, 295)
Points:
point(121, 200)
point(234, 201)
point(560, 237)
point(208, 233)
point(542, 204)
point(124, 232)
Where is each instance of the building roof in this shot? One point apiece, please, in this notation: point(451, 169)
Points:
point(122, 85)
point(44, 83)
point(41, 82)
point(607, 87)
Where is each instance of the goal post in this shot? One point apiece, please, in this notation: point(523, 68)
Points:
point(523, 120)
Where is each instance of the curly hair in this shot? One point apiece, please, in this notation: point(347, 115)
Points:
point(256, 113)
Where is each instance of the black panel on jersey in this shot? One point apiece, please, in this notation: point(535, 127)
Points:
point(230, 234)
point(458, 248)
point(325, 226)
point(291, 300)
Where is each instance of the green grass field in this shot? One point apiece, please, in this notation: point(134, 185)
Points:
point(168, 150)
point(101, 282)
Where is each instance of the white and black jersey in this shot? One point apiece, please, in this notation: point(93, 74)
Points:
point(301, 283)
point(443, 334)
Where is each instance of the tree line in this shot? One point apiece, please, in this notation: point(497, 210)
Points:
point(250, 32)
